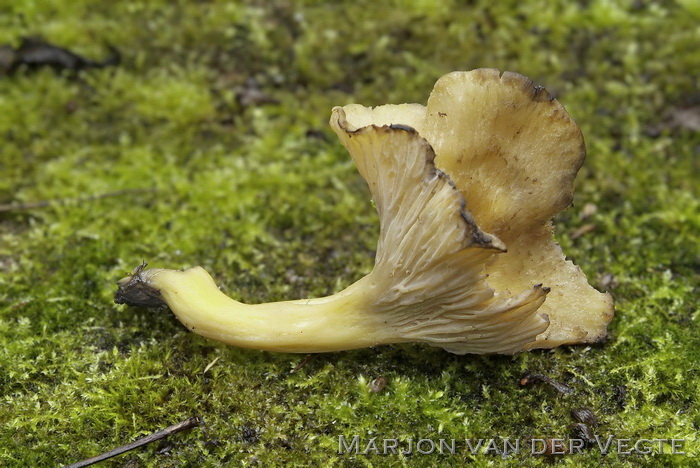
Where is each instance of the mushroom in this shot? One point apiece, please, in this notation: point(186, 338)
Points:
point(511, 152)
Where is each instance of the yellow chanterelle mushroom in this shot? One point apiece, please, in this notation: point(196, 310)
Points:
point(465, 188)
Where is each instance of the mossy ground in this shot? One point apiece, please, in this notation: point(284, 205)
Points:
point(261, 194)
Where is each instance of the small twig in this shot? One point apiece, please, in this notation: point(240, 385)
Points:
point(304, 362)
point(65, 201)
point(585, 229)
point(210, 365)
point(182, 426)
point(529, 379)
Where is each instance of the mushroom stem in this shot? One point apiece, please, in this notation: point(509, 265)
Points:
point(332, 323)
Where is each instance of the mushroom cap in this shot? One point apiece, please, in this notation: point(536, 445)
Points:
point(428, 282)
point(513, 152)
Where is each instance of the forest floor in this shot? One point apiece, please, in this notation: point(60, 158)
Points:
point(208, 145)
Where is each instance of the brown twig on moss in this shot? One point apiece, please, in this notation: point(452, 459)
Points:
point(529, 379)
point(303, 362)
point(189, 423)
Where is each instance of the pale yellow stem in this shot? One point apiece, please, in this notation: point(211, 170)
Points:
point(338, 322)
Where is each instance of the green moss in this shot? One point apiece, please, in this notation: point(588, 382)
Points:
point(265, 198)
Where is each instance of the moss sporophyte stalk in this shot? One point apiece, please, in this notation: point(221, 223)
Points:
point(465, 188)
